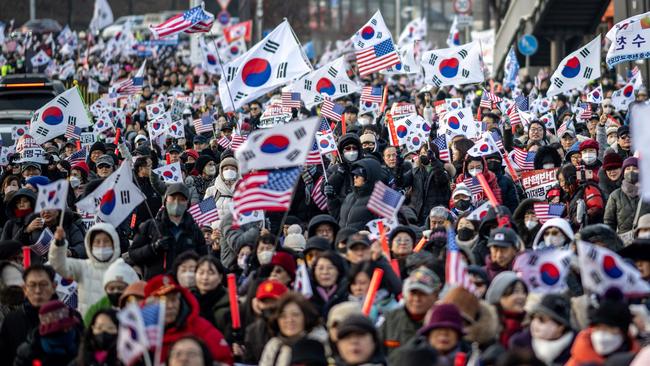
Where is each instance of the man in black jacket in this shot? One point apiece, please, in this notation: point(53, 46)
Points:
point(172, 232)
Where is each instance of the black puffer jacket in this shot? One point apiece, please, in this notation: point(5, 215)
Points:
point(74, 233)
point(525, 234)
point(431, 187)
point(354, 213)
point(339, 175)
point(188, 237)
point(14, 225)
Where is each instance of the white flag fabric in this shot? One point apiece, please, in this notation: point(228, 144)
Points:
point(281, 146)
point(374, 46)
point(132, 340)
point(210, 59)
point(544, 271)
point(232, 50)
point(170, 173)
point(453, 66)
point(52, 196)
point(621, 98)
point(479, 213)
point(331, 79)
point(114, 199)
point(40, 59)
point(577, 69)
point(415, 30)
point(52, 119)
point(460, 122)
point(246, 217)
point(271, 63)
point(102, 16)
point(453, 39)
point(326, 142)
point(596, 95)
point(159, 126)
point(602, 269)
point(640, 133)
point(176, 130)
point(103, 123)
point(548, 120)
point(302, 283)
point(484, 146)
point(629, 40)
point(407, 64)
point(155, 110)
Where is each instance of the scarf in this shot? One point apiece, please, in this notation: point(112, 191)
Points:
point(547, 351)
point(201, 184)
point(511, 325)
point(326, 294)
point(631, 190)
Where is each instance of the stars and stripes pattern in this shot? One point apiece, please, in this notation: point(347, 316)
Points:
point(524, 159)
point(224, 142)
point(77, 156)
point(562, 129)
point(195, 20)
point(72, 132)
point(313, 157)
point(513, 115)
point(522, 103)
point(488, 99)
point(237, 141)
point(443, 149)
point(332, 110)
point(376, 58)
point(153, 316)
point(291, 99)
point(547, 211)
point(42, 245)
point(474, 185)
point(203, 124)
point(496, 137)
point(456, 272)
point(269, 190)
point(132, 85)
point(204, 212)
point(371, 94)
point(317, 194)
point(585, 111)
point(384, 201)
point(324, 126)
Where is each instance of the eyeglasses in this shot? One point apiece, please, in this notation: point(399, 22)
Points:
point(350, 148)
point(255, 108)
point(34, 285)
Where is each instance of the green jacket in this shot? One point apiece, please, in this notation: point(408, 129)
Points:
point(398, 329)
point(102, 304)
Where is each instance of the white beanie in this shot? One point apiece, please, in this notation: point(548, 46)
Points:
point(295, 240)
point(120, 271)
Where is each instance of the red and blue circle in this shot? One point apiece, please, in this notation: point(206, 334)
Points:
point(572, 68)
point(402, 131)
point(52, 116)
point(416, 141)
point(211, 59)
point(596, 94)
point(549, 274)
point(449, 67)
point(51, 195)
point(456, 39)
point(426, 127)
point(256, 72)
point(108, 202)
point(324, 143)
point(168, 174)
point(454, 105)
point(275, 144)
point(368, 104)
point(484, 148)
point(610, 267)
point(628, 90)
point(453, 122)
point(367, 32)
point(20, 131)
point(325, 85)
point(234, 50)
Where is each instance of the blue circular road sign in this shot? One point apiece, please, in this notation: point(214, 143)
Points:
point(527, 45)
point(223, 17)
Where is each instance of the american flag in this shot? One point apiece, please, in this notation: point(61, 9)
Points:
point(456, 273)
point(314, 157)
point(224, 142)
point(443, 149)
point(204, 212)
point(513, 114)
point(585, 111)
point(371, 94)
point(42, 245)
point(72, 132)
point(324, 126)
point(474, 185)
point(317, 194)
point(332, 110)
point(192, 21)
point(547, 211)
point(291, 100)
point(269, 190)
point(203, 124)
point(153, 316)
point(496, 137)
point(132, 85)
point(378, 57)
point(237, 141)
point(522, 102)
point(524, 159)
point(384, 201)
point(77, 156)
point(562, 129)
point(487, 99)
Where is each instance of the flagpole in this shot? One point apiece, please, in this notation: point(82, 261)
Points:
point(161, 314)
point(223, 75)
point(286, 213)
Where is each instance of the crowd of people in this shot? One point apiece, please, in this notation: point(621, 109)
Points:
point(160, 253)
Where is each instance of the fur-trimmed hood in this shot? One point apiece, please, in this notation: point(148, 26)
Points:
point(486, 329)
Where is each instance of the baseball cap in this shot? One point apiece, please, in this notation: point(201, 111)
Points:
point(502, 237)
point(355, 239)
point(422, 279)
point(105, 160)
point(270, 289)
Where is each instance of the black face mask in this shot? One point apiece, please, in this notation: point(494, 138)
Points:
point(494, 166)
point(189, 167)
point(114, 298)
point(368, 150)
point(465, 234)
point(424, 160)
point(104, 341)
point(463, 205)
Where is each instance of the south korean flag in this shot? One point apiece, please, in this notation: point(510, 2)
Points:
point(453, 66)
point(577, 69)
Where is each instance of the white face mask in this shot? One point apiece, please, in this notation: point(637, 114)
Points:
point(554, 240)
point(548, 166)
point(264, 257)
point(75, 181)
point(475, 172)
point(210, 170)
point(351, 155)
point(530, 224)
point(364, 121)
point(611, 140)
point(644, 235)
point(547, 330)
point(588, 158)
point(102, 254)
point(241, 262)
point(604, 342)
point(229, 174)
point(187, 279)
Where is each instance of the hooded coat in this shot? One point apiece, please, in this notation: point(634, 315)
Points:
point(14, 225)
point(89, 273)
point(518, 216)
point(430, 188)
point(489, 176)
point(339, 175)
point(557, 222)
point(354, 213)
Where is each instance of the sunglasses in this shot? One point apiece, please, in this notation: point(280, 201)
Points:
point(350, 148)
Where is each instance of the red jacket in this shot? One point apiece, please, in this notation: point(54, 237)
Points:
point(200, 328)
point(491, 180)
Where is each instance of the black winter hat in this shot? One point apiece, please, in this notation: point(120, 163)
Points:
point(321, 219)
point(356, 324)
point(601, 234)
point(613, 310)
point(308, 352)
point(201, 162)
point(318, 243)
point(555, 306)
point(416, 352)
point(97, 146)
point(402, 229)
point(639, 249)
point(9, 249)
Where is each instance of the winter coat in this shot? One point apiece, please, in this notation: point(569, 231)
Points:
point(354, 212)
point(593, 217)
point(15, 328)
point(518, 218)
point(607, 185)
point(491, 180)
point(151, 187)
point(200, 184)
point(323, 306)
point(486, 328)
point(339, 175)
point(398, 329)
point(222, 194)
point(559, 223)
point(624, 154)
point(256, 337)
point(74, 233)
point(89, 273)
point(399, 178)
point(31, 350)
point(103, 304)
point(277, 351)
point(583, 353)
point(430, 189)
point(14, 226)
point(508, 191)
point(232, 239)
point(190, 322)
point(524, 341)
point(215, 308)
point(188, 237)
point(621, 210)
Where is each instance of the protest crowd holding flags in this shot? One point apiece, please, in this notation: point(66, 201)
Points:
point(390, 203)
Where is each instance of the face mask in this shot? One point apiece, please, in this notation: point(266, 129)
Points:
point(264, 257)
point(465, 234)
point(631, 177)
point(229, 174)
point(588, 158)
point(548, 166)
point(607, 110)
point(187, 279)
point(463, 205)
point(189, 167)
point(102, 254)
point(176, 209)
point(644, 235)
point(611, 141)
point(494, 166)
point(363, 121)
point(210, 170)
point(10, 189)
point(241, 262)
point(114, 298)
point(104, 341)
point(546, 330)
point(75, 182)
point(424, 160)
point(554, 240)
point(530, 224)
point(604, 342)
point(368, 150)
point(351, 155)
point(475, 172)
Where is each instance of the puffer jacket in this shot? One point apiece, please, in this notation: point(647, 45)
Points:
point(222, 194)
point(74, 233)
point(14, 225)
point(354, 213)
point(430, 189)
point(621, 210)
point(397, 329)
point(491, 180)
point(339, 176)
point(89, 273)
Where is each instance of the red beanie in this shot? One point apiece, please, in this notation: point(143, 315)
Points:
point(588, 144)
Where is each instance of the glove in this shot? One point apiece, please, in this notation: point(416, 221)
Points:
point(329, 191)
point(160, 245)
